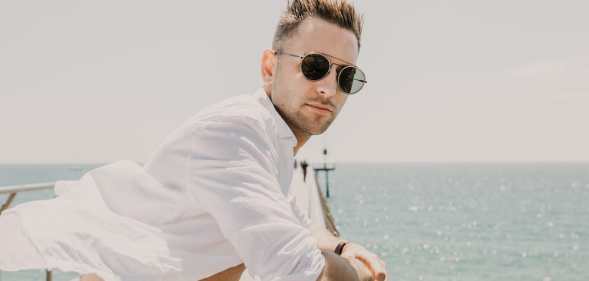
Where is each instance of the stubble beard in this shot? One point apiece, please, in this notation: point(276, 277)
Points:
point(297, 121)
point(310, 126)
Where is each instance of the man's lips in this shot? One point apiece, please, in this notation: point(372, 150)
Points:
point(321, 107)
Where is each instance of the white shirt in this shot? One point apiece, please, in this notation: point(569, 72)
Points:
point(213, 196)
point(231, 166)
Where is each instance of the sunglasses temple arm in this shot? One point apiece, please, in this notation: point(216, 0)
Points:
point(289, 54)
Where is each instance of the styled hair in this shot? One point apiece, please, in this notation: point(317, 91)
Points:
point(338, 12)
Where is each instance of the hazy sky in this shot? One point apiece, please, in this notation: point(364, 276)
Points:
point(455, 80)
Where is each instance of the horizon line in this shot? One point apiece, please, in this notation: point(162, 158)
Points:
point(345, 161)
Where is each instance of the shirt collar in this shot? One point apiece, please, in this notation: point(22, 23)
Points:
point(284, 130)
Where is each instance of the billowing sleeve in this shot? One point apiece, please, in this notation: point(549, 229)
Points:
point(234, 177)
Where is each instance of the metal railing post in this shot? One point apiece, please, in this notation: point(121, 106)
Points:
point(8, 202)
point(48, 275)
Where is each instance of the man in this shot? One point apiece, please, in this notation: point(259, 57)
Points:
point(220, 199)
point(236, 157)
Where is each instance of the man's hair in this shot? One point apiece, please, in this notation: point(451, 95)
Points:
point(338, 12)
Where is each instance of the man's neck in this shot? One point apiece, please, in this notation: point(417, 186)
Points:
point(301, 137)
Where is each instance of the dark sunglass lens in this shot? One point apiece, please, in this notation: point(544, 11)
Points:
point(315, 66)
point(351, 79)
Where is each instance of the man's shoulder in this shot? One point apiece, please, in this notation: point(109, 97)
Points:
point(241, 110)
point(224, 125)
point(241, 106)
point(242, 114)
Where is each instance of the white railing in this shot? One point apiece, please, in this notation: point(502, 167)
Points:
point(15, 189)
point(26, 187)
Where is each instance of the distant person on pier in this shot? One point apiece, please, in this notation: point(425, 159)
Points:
point(304, 166)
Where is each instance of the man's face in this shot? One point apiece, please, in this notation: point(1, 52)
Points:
point(309, 107)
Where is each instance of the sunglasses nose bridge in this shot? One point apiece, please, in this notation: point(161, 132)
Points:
point(327, 86)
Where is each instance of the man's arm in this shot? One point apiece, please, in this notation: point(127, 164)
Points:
point(337, 268)
point(233, 175)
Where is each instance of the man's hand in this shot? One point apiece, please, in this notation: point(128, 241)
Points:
point(362, 271)
point(372, 262)
point(357, 255)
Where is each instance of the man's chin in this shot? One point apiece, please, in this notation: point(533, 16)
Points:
point(317, 131)
point(314, 127)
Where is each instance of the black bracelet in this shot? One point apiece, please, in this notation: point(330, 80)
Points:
point(340, 247)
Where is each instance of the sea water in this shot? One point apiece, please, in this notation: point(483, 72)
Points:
point(443, 221)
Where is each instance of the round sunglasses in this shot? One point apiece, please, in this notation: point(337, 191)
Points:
point(315, 66)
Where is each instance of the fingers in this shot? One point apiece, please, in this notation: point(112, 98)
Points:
point(375, 265)
point(362, 270)
point(371, 261)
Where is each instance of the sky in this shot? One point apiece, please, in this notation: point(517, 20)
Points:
point(448, 81)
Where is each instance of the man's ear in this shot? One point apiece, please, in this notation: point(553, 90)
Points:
point(268, 68)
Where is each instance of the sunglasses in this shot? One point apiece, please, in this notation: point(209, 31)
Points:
point(315, 66)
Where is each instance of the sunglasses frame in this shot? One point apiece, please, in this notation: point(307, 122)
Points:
point(331, 64)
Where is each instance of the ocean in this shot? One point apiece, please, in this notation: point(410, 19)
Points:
point(442, 221)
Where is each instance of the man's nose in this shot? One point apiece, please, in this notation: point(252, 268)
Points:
point(327, 87)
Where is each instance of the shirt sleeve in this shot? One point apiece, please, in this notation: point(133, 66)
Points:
point(234, 177)
point(302, 216)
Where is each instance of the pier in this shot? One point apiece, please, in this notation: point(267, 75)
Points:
point(325, 169)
